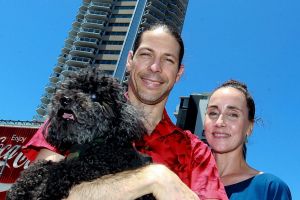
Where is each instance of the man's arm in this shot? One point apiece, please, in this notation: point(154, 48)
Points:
point(129, 185)
point(205, 180)
point(46, 154)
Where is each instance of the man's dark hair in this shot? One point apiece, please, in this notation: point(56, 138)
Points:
point(168, 29)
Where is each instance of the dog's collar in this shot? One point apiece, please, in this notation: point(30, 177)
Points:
point(76, 150)
point(79, 149)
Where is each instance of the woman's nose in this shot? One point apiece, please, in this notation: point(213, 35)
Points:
point(220, 121)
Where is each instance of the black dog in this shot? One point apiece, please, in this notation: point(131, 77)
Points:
point(91, 122)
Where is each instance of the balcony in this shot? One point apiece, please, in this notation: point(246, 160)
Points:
point(83, 51)
point(178, 12)
point(147, 21)
point(41, 110)
point(73, 32)
point(97, 14)
point(62, 58)
point(85, 41)
point(45, 99)
point(58, 67)
point(173, 22)
point(77, 22)
point(77, 61)
point(81, 13)
point(100, 6)
point(70, 39)
point(175, 17)
point(93, 23)
point(150, 14)
point(66, 49)
point(155, 9)
point(160, 4)
point(50, 88)
point(90, 32)
point(54, 77)
point(67, 70)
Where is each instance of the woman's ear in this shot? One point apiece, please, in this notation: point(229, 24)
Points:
point(250, 128)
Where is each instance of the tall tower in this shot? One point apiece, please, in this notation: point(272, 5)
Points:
point(103, 33)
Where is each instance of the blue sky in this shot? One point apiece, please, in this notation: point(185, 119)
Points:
point(255, 41)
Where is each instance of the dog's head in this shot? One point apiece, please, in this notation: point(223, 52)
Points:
point(89, 106)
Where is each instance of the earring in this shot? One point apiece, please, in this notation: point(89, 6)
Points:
point(246, 139)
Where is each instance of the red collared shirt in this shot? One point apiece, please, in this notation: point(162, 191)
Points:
point(186, 155)
point(179, 150)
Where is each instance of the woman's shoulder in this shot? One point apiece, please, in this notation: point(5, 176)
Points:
point(270, 179)
point(274, 184)
point(261, 185)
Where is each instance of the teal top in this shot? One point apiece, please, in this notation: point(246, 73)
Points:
point(260, 187)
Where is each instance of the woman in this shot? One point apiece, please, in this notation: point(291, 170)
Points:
point(228, 123)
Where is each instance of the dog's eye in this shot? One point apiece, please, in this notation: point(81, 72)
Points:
point(93, 97)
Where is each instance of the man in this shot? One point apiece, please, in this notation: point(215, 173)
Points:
point(182, 160)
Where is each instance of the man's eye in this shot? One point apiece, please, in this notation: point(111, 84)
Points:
point(170, 60)
point(145, 54)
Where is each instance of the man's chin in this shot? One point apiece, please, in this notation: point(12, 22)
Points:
point(151, 99)
point(146, 96)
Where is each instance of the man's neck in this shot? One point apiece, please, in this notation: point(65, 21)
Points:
point(153, 114)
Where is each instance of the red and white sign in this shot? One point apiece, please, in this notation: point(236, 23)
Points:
point(12, 159)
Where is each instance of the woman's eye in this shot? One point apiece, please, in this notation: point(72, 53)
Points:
point(232, 115)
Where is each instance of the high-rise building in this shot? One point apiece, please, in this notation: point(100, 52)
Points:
point(190, 113)
point(103, 33)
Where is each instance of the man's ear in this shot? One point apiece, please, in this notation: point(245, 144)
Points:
point(129, 61)
point(180, 72)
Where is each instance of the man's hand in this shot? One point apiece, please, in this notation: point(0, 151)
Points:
point(167, 185)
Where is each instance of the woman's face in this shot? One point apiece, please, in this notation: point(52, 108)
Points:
point(226, 121)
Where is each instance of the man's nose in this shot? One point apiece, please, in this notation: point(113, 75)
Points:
point(156, 66)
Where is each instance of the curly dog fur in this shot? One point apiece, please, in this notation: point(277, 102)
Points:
point(89, 119)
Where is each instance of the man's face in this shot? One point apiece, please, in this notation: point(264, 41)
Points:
point(154, 66)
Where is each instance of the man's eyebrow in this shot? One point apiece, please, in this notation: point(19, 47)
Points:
point(146, 48)
point(171, 55)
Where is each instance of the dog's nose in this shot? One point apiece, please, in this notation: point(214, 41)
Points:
point(65, 101)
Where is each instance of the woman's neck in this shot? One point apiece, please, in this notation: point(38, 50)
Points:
point(233, 168)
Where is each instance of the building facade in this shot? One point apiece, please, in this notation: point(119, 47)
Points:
point(102, 35)
point(190, 113)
